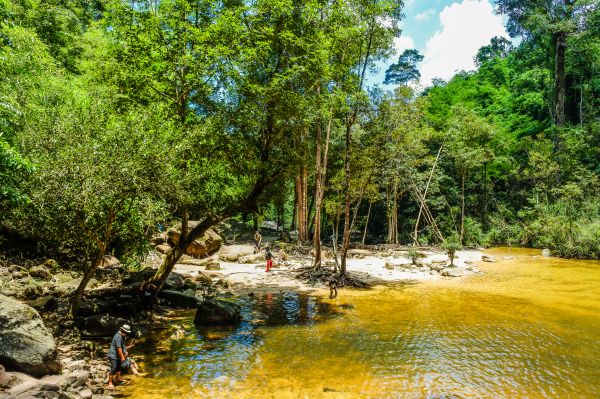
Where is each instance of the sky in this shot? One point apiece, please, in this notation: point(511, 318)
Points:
point(447, 32)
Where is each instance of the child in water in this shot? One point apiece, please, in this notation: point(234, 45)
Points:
point(269, 257)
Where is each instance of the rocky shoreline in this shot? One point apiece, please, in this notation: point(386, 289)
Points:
point(73, 364)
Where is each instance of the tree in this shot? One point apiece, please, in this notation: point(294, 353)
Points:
point(556, 19)
point(468, 146)
point(499, 47)
point(405, 70)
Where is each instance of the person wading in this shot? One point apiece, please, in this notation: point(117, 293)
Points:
point(117, 354)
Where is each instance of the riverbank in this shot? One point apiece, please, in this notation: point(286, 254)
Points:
point(370, 266)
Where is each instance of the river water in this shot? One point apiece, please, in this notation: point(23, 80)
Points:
point(527, 328)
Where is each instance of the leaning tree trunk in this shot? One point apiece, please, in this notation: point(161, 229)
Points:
point(416, 232)
point(366, 223)
point(89, 273)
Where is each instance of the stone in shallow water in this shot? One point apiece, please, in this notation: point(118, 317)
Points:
point(546, 252)
point(217, 312)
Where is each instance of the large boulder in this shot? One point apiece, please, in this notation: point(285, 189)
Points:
point(25, 342)
point(101, 325)
point(252, 259)
point(231, 253)
point(180, 299)
point(214, 312)
point(208, 244)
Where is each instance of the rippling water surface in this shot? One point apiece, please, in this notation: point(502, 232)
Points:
point(528, 328)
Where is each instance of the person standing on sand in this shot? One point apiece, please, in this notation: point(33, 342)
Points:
point(117, 354)
point(269, 257)
point(257, 241)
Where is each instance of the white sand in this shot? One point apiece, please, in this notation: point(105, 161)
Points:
point(370, 268)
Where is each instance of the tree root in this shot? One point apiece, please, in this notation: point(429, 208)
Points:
point(325, 276)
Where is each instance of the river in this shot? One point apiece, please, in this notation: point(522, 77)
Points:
point(529, 327)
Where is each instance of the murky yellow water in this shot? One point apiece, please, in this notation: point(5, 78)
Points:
point(528, 328)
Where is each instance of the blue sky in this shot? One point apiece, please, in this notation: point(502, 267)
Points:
point(447, 32)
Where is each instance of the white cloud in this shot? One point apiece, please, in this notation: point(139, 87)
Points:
point(465, 27)
point(425, 15)
point(403, 43)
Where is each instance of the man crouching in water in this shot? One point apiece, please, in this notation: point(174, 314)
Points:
point(117, 353)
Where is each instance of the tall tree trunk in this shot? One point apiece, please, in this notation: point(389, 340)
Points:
point(302, 204)
point(321, 172)
point(346, 237)
point(89, 273)
point(393, 215)
point(560, 43)
point(367, 223)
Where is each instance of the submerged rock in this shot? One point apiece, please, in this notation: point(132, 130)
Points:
point(217, 312)
point(25, 342)
point(546, 252)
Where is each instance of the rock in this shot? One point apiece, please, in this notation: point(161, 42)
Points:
point(7, 380)
point(40, 272)
point(438, 266)
point(203, 277)
point(85, 393)
point(25, 342)
point(163, 249)
point(213, 266)
point(232, 253)
point(61, 380)
point(180, 299)
point(252, 259)
point(159, 240)
point(101, 325)
point(489, 259)
point(46, 303)
point(110, 261)
point(389, 265)
point(80, 379)
point(217, 312)
point(208, 244)
point(546, 252)
point(33, 291)
point(452, 272)
point(188, 260)
point(16, 268)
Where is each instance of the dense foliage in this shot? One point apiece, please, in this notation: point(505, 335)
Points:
point(116, 116)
